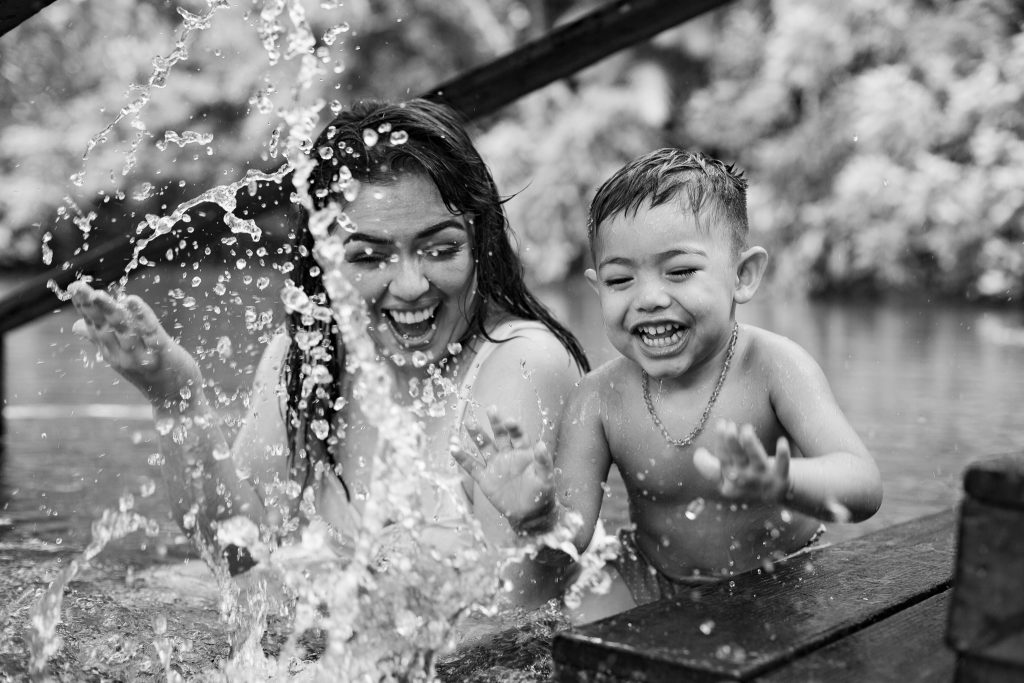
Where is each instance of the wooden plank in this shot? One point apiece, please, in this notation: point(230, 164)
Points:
point(762, 620)
point(14, 12)
point(908, 647)
point(564, 51)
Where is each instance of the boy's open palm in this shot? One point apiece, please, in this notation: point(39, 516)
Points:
point(131, 339)
point(517, 476)
point(742, 468)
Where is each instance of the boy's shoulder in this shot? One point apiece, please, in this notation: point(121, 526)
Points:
point(773, 351)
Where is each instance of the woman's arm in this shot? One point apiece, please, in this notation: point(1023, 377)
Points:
point(197, 465)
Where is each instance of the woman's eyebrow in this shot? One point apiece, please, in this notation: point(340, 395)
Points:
point(438, 227)
point(421, 235)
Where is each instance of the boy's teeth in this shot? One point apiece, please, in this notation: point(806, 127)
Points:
point(661, 334)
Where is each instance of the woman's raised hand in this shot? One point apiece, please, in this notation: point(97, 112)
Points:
point(135, 344)
point(742, 468)
point(517, 476)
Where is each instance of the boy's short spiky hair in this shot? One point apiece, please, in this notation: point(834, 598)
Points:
point(715, 191)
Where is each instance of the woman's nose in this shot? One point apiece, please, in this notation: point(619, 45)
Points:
point(409, 282)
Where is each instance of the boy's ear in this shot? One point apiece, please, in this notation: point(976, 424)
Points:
point(591, 276)
point(750, 269)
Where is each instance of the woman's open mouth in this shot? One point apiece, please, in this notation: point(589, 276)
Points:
point(660, 335)
point(412, 327)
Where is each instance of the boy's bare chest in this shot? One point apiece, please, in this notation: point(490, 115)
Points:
point(654, 468)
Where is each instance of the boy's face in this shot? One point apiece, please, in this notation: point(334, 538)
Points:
point(667, 287)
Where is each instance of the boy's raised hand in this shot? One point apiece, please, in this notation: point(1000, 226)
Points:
point(742, 468)
point(517, 476)
point(133, 342)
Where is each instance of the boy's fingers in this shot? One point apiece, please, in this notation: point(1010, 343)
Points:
point(708, 465)
point(730, 452)
point(782, 458)
point(754, 451)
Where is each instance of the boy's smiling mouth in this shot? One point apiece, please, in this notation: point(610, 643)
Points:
point(661, 335)
point(412, 327)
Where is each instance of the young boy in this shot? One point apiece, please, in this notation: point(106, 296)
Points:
point(706, 497)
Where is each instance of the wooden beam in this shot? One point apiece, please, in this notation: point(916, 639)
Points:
point(13, 12)
point(563, 52)
point(476, 93)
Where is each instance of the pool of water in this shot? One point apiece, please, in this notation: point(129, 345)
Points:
point(930, 387)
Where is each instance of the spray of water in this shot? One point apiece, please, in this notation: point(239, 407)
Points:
point(389, 602)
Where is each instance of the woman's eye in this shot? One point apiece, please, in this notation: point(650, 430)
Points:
point(441, 251)
point(368, 255)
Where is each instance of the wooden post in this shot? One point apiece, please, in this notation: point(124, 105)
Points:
point(986, 616)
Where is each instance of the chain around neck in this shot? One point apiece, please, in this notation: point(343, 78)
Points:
point(695, 432)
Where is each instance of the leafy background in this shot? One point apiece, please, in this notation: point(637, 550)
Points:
point(882, 138)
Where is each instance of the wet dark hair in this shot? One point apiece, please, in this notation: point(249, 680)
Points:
point(429, 139)
point(715, 191)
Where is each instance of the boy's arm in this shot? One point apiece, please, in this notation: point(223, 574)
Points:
point(582, 457)
point(837, 479)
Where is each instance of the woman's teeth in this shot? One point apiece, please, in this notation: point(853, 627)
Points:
point(412, 317)
point(660, 335)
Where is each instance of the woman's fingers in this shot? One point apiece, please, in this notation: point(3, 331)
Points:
point(80, 328)
point(542, 457)
point(466, 460)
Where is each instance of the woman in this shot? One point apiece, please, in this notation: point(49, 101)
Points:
point(426, 246)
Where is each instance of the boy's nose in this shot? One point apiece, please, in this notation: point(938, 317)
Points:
point(409, 282)
point(652, 297)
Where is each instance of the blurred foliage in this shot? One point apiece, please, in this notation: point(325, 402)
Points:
point(882, 138)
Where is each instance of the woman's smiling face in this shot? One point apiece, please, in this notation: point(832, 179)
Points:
point(410, 259)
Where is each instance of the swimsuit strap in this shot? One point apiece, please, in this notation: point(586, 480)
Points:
point(502, 332)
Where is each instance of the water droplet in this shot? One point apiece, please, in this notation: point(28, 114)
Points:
point(155, 459)
point(262, 282)
point(164, 425)
point(325, 152)
point(694, 509)
point(455, 348)
point(221, 452)
point(320, 428)
point(78, 179)
point(420, 359)
point(399, 137)
point(370, 137)
point(707, 627)
point(147, 487)
point(224, 349)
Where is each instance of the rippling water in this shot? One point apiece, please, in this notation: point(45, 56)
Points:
point(929, 387)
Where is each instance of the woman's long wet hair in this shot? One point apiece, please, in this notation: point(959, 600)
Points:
point(375, 141)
